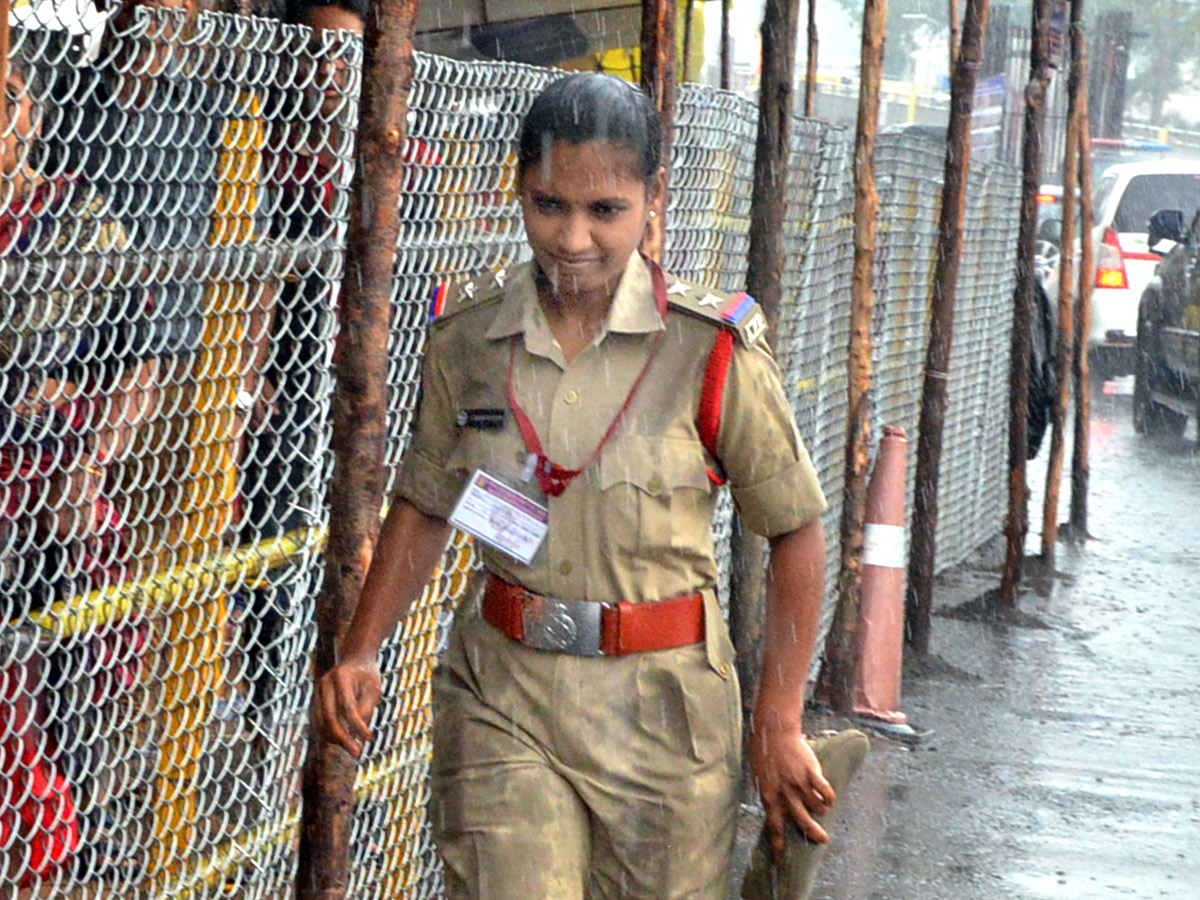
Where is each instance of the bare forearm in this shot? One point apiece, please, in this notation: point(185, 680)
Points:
point(795, 588)
point(410, 545)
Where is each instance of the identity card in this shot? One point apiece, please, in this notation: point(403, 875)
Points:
point(501, 517)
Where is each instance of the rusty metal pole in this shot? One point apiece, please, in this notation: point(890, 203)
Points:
point(726, 48)
point(765, 261)
point(923, 544)
point(841, 654)
point(1064, 350)
point(1018, 421)
point(1083, 298)
point(659, 67)
point(810, 70)
point(359, 421)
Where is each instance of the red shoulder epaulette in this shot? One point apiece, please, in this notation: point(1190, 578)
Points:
point(708, 419)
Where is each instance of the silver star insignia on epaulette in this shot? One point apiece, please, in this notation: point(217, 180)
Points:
point(500, 276)
point(709, 300)
point(469, 290)
point(678, 288)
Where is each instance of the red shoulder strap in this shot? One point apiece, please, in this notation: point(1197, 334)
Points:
point(708, 419)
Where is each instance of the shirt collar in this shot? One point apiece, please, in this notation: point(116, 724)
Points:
point(633, 311)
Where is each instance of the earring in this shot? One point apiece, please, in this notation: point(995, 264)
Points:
point(653, 214)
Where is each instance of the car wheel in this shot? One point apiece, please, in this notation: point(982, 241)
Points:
point(1149, 417)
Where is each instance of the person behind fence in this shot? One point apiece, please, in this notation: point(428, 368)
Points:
point(306, 171)
point(72, 370)
point(587, 731)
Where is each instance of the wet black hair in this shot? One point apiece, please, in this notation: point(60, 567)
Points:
point(590, 106)
point(298, 10)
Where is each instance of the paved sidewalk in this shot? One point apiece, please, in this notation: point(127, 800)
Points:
point(1066, 759)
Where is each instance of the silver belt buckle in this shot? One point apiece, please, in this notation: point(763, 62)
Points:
point(562, 626)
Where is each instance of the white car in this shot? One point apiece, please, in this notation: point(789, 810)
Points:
point(1127, 194)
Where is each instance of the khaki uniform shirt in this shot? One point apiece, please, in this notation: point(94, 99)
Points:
point(635, 525)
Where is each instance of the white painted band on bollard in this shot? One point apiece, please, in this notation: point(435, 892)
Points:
point(883, 545)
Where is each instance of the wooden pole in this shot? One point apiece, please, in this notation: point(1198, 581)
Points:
point(768, 209)
point(772, 153)
point(726, 48)
point(1064, 350)
point(810, 72)
point(1033, 127)
point(841, 654)
point(923, 544)
point(359, 421)
point(659, 65)
point(1083, 304)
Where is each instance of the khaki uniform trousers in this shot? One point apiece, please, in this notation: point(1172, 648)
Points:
point(566, 777)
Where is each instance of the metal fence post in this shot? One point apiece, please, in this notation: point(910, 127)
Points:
point(726, 48)
point(688, 12)
point(923, 549)
point(764, 273)
point(1083, 299)
point(1018, 422)
point(659, 65)
point(810, 70)
point(359, 420)
point(841, 653)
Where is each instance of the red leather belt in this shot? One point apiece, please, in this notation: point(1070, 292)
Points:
point(586, 628)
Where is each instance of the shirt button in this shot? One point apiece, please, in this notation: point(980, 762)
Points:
point(564, 567)
point(571, 396)
point(723, 669)
point(655, 484)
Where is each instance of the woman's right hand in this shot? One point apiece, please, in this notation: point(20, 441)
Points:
point(346, 699)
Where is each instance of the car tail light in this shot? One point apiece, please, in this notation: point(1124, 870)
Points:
point(1110, 262)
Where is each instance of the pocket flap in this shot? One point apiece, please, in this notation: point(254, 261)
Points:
point(654, 465)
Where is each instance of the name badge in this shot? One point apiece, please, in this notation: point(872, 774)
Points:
point(484, 419)
point(491, 511)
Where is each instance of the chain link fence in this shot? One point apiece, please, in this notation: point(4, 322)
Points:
point(172, 214)
point(172, 218)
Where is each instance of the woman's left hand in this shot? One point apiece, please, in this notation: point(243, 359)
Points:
point(790, 781)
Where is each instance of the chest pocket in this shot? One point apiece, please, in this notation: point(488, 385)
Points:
point(656, 495)
point(500, 451)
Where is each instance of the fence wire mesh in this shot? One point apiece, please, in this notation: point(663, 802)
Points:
point(172, 219)
point(163, 350)
point(708, 222)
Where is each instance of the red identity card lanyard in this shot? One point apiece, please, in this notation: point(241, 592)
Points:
point(504, 518)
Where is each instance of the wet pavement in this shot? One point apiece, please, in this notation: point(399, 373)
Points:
point(1066, 759)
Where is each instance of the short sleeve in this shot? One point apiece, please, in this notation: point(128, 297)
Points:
point(425, 481)
point(774, 484)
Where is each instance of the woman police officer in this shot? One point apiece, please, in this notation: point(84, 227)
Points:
point(587, 723)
